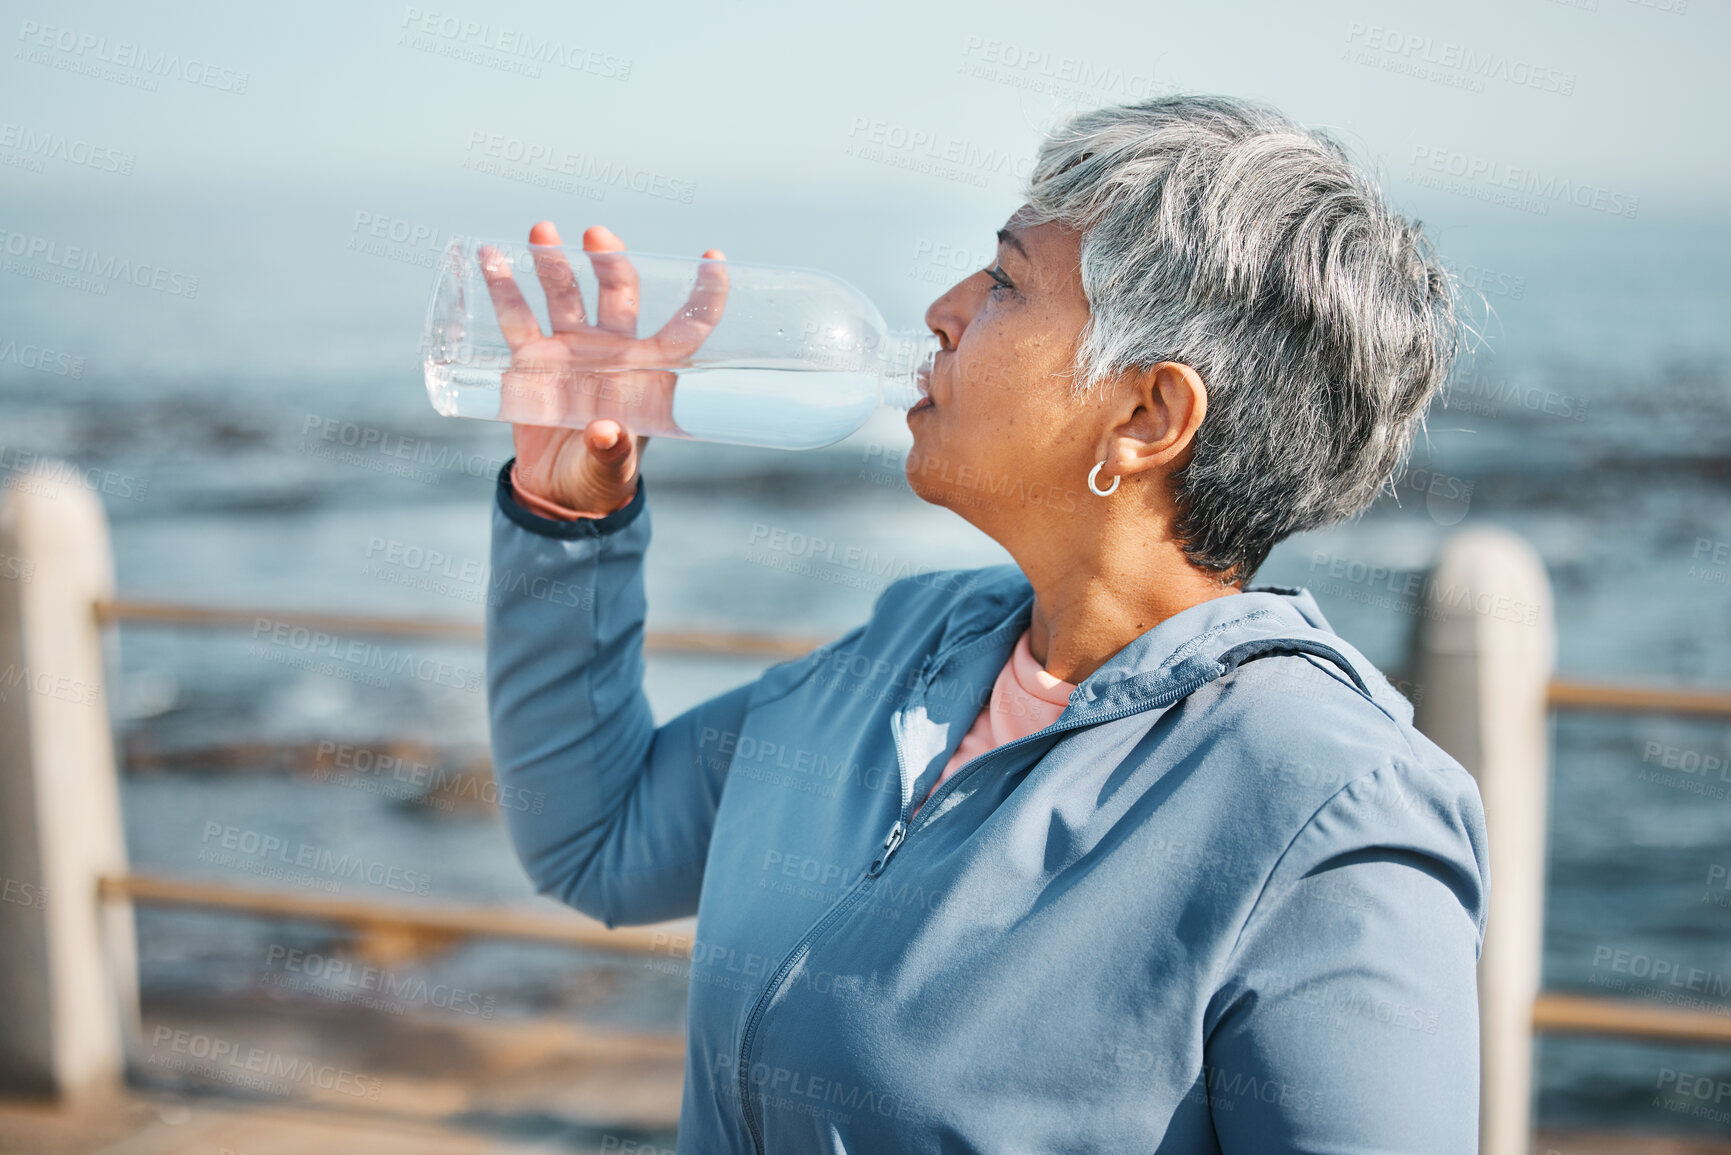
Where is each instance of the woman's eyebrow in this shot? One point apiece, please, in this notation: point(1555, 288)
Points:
point(1006, 237)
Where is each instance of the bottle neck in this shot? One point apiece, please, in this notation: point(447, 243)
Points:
point(903, 362)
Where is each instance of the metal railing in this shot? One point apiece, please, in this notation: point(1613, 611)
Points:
point(1562, 694)
point(440, 925)
point(1551, 1011)
point(149, 613)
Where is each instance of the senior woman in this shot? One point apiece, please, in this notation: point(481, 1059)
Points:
point(1102, 851)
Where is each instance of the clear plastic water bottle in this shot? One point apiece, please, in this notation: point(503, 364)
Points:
point(786, 358)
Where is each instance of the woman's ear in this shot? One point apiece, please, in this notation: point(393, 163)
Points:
point(1163, 408)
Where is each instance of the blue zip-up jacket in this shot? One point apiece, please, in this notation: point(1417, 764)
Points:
point(1231, 901)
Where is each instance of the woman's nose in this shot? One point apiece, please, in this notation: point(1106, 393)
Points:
point(949, 315)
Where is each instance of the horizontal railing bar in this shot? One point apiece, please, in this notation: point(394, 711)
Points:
point(1590, 1015)
point(1563, 1013)
point(672, 940)
point(150, 613)
point(1563, 694)
point(1569, 695)
point(169, 614)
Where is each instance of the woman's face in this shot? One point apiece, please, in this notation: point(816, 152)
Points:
point(1001, 431)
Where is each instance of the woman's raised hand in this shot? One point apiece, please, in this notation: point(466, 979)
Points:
point(573, 397)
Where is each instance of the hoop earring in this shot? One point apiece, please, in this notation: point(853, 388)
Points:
point(1094, 478)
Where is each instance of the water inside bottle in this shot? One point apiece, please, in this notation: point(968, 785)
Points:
point(774, 408)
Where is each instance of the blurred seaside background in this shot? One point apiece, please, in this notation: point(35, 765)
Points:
point(254, 412)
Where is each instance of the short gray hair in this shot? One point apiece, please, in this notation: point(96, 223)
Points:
point(1220, 234)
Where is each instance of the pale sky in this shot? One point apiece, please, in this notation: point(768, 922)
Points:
point(884, 144)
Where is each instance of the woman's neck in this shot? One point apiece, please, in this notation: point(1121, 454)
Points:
point(1087, 609)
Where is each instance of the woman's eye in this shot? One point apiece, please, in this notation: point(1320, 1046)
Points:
point(999, 280)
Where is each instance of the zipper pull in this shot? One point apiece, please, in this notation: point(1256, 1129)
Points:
point(893, 840)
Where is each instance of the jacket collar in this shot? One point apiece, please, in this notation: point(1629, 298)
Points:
point(1184, 649)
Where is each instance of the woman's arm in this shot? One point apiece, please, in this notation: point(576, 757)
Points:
point(1350, 1022)
point(608, 813)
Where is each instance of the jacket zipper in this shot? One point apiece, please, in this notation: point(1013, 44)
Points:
point(897, 832)
point(892, 842)
point(843, 904)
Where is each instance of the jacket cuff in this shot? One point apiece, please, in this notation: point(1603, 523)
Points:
point(569, 530)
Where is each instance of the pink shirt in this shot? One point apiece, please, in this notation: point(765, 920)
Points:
point(1024, 699)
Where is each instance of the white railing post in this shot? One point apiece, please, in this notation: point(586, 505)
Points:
point(1485, 651)
point(68, 969)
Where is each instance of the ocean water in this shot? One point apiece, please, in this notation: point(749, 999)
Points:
point(1595, 421)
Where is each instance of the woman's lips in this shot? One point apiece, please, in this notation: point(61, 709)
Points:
point(923, 382)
